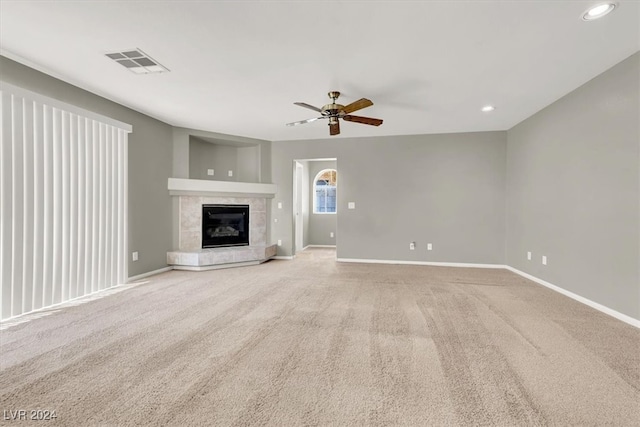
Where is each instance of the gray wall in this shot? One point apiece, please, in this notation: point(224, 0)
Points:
point(244, 162)
point(320, 225)
point(573, 191)
point(248, 164)
point(448, 190)
point(572, 172)
point(305, 201)
point(204, 155)
point(249, 158)
point(150, 156)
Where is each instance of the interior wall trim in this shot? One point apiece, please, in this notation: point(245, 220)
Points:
point(149, 273)
point(435, 264)
point(604, 309)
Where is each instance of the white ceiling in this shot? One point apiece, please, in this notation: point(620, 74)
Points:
point(238, 66)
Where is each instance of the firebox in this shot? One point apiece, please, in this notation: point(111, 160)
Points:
point(225, 225)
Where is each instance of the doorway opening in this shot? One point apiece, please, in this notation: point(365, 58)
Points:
point(315, 207)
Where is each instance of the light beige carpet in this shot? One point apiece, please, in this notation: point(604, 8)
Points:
point(315, 342)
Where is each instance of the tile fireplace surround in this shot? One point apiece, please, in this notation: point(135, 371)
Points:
point(192, 194)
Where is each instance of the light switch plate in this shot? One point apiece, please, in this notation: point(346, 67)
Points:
point(351, 205)
point(230, 173)
point(210, 172)
point(429, 247)
point(134, 256)
point(544, 260)
point(529, 256)
point(279, 205)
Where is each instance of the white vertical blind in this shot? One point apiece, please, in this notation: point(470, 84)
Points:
point(63, 202)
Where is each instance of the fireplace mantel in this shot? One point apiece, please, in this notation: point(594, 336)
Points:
point(204, 187)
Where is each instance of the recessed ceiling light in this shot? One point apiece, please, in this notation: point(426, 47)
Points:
point(488, 108)
point(599, 10)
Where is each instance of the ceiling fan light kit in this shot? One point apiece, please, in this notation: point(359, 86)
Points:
point(334, 112)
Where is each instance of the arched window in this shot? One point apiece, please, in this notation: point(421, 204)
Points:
point(324, 189)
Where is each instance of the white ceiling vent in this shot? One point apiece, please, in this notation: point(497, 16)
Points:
point(137, 61)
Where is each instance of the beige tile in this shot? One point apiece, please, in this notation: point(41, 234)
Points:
point(219, 257)
point(218, 201)
point(191, 220)
point(258, 236)
point(172, 258)
point(190, 204)
point(259, 205)
point(271, 251)
point(257, 219)
point(190, 240)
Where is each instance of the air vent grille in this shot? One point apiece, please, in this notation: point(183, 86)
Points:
point(137, 61)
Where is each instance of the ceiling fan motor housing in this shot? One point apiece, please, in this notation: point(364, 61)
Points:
point(333, 110)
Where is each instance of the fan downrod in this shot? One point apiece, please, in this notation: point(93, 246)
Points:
point(333, 109)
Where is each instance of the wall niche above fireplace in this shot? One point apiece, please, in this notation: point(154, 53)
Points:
point(225, 225)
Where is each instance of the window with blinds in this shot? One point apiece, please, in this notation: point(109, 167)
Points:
point(63, 195)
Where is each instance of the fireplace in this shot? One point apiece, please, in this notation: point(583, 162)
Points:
point(225, 225)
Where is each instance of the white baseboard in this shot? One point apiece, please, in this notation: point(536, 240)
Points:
point(282, 257)
point(320, 246)
point(604, 309)
point(150, 273)
point(435, 264)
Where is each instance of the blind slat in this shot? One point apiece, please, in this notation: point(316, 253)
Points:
point(63, 190)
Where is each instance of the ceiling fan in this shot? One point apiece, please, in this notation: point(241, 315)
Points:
point(334, 112)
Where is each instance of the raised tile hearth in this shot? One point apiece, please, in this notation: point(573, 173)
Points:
point(192, 195)
point(207, 259)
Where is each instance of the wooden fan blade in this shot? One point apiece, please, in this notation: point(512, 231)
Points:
point(334, 128)
point(311, 107)
point(357, 105)
point(301, 122)
point(363, 120)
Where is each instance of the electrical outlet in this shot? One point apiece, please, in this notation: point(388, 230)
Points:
point(529, 256)
point(210, 172)
point(279, 242)
point(331, 234)
point(351, 205)
point(429, 247)
point(279, 205)
point(544, 260)
point(412, 246)
point(275, 219)
point(134, 256)
point(230, 173)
